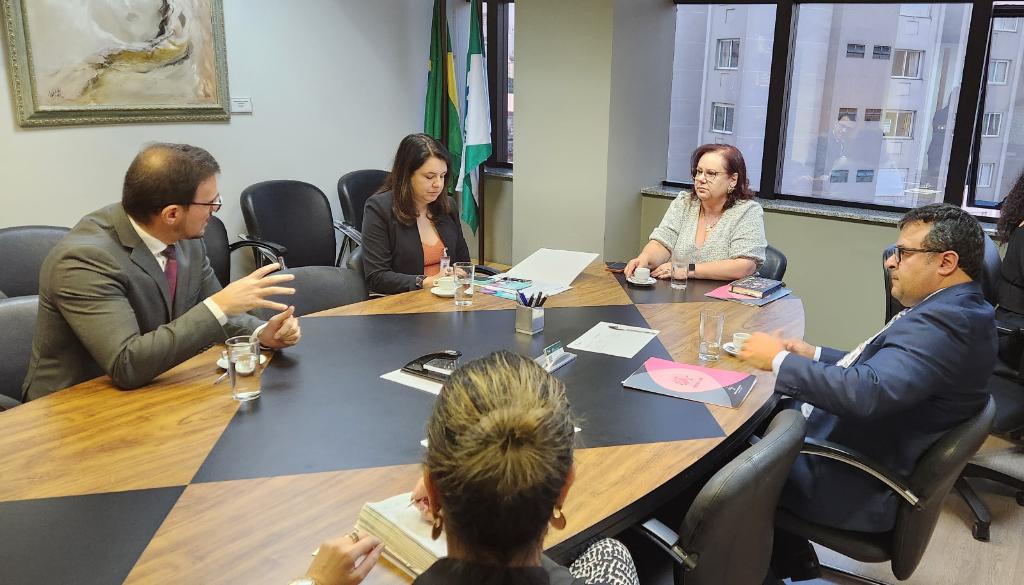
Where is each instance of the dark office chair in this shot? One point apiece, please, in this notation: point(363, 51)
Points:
point(1006, 386)
point(296, 215)
point(726, 535)
point(775, 262)
point(318, 288)
point(921, 498)
point(18, 316)
point(218, 250)
point(353, 190)
point(22, 251)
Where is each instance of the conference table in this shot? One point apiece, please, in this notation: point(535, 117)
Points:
point(178, 483)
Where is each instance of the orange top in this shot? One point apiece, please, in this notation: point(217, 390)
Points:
point(432, 258)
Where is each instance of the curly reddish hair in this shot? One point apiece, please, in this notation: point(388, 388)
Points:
point(734, 164)
point(1011, 212)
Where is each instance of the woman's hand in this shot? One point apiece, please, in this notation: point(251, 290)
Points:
point(338, 561)
point(421, 500)
point(428, 282)
point(632, 265)
point(663, 272)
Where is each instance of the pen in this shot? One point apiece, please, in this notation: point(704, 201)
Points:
point(543, 299)
point(633, 329)
point(522, 298)
point(514, 279)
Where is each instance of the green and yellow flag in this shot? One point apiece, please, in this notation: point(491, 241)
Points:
point(443, 95)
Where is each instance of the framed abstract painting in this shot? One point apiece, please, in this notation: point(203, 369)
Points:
point(76, 62)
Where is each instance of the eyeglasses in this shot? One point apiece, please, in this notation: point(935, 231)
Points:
point(216, 205)
point(708, 175)
point(900, 251)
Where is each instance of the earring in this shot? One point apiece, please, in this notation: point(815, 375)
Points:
point(731, 188)
point(436, 527)
point(557, 518)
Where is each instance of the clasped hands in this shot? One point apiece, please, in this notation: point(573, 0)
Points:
point(761, 348)
point(251, 292)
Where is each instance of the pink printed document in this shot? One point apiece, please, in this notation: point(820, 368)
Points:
point(721, 387)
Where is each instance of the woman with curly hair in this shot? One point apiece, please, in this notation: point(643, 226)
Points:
point(1010, 293)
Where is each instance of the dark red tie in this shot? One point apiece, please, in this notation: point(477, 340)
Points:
point(171, 270)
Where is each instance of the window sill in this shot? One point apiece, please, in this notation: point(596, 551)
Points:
point(499, 172)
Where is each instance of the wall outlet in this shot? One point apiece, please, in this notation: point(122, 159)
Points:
point(241, 105)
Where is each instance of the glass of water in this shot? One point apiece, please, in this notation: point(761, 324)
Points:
point(712, 322)
point(680, 268)
point(243, 365)
point(464, 272)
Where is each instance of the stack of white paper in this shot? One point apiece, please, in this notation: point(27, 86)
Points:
point(552, 271)
point(405, 534)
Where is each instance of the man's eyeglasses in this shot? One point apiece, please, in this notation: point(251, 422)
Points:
point(216, 205)
point(709, 175)
point(900, 251)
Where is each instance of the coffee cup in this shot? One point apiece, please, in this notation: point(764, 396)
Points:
point(738, 339)
point(642, 274)
point(445, 283)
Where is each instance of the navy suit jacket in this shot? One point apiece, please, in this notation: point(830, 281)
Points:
point(915, 381)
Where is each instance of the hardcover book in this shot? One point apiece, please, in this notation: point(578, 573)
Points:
point(708, 385)
point(723, 293)
point(754, 286)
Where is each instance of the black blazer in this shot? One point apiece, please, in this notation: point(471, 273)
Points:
point(392, 251)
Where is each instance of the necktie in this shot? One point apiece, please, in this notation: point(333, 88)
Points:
point(171, 270)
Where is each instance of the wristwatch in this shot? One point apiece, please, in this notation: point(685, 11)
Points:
point(419, 281)
point(304, 581)
point(691, 269)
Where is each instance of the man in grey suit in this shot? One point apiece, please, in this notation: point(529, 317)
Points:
point(129, 292)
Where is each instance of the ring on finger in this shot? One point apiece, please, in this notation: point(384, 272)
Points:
point(354, 535)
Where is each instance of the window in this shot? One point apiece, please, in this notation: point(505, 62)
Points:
point(721, 117)
point(907, 64)
point(839, 177)
point(881, 52)
point(729, 108)
point(998, 71)
point(855, 51)
point(898, 124)
point(916, 10)
point(873, 115)
point(849, 113)
point(1004, 24)
point(499, 38)
point(865, 176)
point(991, 123)
point(985, 173)
point(728, 54)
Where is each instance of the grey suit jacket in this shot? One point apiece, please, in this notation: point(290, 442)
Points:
point(104, 307)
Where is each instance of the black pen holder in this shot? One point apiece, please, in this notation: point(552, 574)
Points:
point(529, 320)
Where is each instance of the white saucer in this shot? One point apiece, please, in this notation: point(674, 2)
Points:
point(443, 293)
point(650, 281)
point(730, 348)
point(223, 363)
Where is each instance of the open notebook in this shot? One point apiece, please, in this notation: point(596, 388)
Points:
point(406, 536)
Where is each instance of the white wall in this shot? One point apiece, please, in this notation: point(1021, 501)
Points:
point(335, 85)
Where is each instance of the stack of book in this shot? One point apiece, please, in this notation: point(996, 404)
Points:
point(752, 290)
point(405, 534)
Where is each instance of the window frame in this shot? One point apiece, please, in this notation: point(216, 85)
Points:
point(497, 24)
point(857, 54)
point(906, 59)
point(896, 121)
point(1006, 72)
point(718, 55)
point(991, 175)
point(727, 119)
point(996, 20)
point(848, 112)
point(869, 173)
point(876, 55)
point(842, 173)
point(985, 124)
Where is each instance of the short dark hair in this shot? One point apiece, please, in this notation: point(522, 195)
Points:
point(165, 174)
point(413, 151)
point(952, 229)
point(734, 163)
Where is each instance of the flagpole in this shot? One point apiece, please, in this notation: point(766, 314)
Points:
point(443, 17)
point(480, 186)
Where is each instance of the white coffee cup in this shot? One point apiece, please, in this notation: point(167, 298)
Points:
point(738, 339)
point(445, 283)
point(642, 274)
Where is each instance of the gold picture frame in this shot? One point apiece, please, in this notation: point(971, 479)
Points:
point(93, 63)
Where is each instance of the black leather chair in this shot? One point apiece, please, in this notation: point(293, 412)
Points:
point(1006, 386)
point(218, 250)
point(353, 190)
point(18, 316)
point(726, 535)
point(296, 215)
point(774, 266)
point(921, 497)
point(22, 251)
point(321, 287)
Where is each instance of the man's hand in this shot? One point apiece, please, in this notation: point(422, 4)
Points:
point(761, 349)
point(251, 292)
point(282, 330)
point(800, 347)
point(337, 561)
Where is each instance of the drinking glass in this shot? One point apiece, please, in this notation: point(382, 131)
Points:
point(680, 267)
point(243, 362)
point(464, 272)
point(712, 322)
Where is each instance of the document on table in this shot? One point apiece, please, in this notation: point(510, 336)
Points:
point(622, 340)
point(412, 381)
point(552, 271)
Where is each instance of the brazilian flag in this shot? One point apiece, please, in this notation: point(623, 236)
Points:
point(443, 95)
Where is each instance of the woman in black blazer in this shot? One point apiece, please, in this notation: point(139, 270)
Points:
point(409, 223)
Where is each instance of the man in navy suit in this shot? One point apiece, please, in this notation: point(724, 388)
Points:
point(898, 392)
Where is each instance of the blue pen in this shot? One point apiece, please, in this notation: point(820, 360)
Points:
point(522, 298)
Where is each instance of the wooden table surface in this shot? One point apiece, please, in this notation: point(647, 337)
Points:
point(95, 439)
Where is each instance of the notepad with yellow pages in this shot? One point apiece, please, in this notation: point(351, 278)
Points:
point(405, 534)
point(709, 385)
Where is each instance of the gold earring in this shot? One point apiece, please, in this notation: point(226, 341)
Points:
point(731, 188)
point(436, 527)
point(557, 518)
